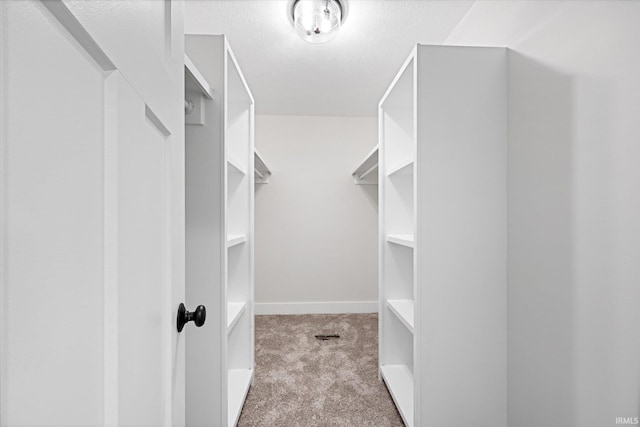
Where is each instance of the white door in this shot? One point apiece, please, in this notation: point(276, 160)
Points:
point(91, 213)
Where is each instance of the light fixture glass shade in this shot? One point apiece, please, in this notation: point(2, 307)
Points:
point(317, 21)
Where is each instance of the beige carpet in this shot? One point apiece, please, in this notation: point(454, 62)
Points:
point(300, 381)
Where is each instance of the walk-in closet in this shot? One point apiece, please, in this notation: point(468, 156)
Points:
point(355, 213)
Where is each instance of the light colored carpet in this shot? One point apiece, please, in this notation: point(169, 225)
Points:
point(301, 381)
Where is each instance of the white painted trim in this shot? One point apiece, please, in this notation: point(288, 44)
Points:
point(111, 318)
point(320, 307)
point(167, 282)
point(4, 286)
point(69, 21)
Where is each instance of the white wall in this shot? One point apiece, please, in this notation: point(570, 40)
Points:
point(574, 206)
point(316, 231)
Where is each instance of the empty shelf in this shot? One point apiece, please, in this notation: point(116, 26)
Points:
point(399, 381)
point(405, 167)
point(233, 240)
point(196, 80)
point(261, 170)
point(234, 311)
point(403, 308)
point(367, 171)
point(235, 167)
point(238, 383)
point(401, 239)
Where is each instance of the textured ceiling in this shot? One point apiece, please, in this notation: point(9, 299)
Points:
point(346, 77)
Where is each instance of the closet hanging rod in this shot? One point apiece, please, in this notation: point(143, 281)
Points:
point(368, 171)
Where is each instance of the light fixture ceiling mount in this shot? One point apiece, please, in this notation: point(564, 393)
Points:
point(317, 21)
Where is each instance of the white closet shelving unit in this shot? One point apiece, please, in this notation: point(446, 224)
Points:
point(366, 173)
point(219, 137)
point(261, 170)
point(442, 231)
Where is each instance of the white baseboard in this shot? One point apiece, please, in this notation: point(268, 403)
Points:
point(329, 307)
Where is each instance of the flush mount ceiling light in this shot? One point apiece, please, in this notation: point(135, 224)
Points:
point(317, 21)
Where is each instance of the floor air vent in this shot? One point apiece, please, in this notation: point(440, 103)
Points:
point(326, 337)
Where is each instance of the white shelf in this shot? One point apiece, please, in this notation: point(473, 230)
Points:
point(403, 308)
point(400, 384)
point(238, 383)
point(401, 239)
point(219, 158)
point(397, 210)
point(195, 80)
point(405, 167)
point(367, 172)
point(233, 240)
point(260, 168)
point(234, 311)
point(443, 115)
point(235, 167)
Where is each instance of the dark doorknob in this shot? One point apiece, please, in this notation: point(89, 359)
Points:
point(184, 316)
